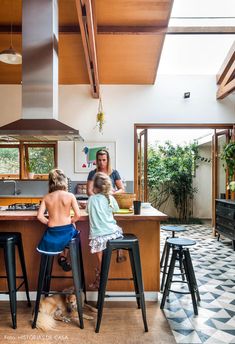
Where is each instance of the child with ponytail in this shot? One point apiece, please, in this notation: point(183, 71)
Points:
point(103, 226)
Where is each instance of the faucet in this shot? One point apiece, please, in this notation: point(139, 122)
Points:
point(14, 182)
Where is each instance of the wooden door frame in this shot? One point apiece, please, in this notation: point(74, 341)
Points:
point(141, 126)
point(144, 134)
point(215, 169)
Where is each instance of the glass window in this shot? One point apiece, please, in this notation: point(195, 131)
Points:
point(10, 161)
point(27, 160)
point(41, 159)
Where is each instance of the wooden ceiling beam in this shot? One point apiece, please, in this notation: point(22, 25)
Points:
point(226, 90)
point(228, 84)
point(177, 30)
point(226, 75)
point(143, 30)
point(230, 58)
point(86, 23)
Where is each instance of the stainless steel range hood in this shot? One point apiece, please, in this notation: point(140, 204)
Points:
point(39, 78)
point(38, 130)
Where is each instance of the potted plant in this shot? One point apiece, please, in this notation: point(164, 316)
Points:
point(228, 155)
point(30, 169)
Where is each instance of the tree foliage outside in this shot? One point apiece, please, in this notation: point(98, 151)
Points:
point(170, 173)
point(41, 160)
point(9, 161)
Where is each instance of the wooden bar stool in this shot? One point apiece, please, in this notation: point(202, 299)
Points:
point(166, 252)
point(8, 241)
point(181, 251)
point(130, 243)
point(45, 276)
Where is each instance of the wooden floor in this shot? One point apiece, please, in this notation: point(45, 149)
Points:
point(121, 323)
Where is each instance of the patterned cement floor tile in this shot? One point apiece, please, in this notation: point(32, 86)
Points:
point(214, 265)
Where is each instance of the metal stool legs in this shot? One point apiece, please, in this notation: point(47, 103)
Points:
point(9, 254)
point(23, 267)
point(139, 284)
point(44, 278)
point(134, 254)
point(190, 277)
point(165, 264)
point(78, 279)
point(41, 279)
point(106, 259)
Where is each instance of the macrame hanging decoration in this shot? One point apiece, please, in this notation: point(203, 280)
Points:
point(100, 120)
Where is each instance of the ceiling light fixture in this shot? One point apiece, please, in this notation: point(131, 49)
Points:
point(10, 56)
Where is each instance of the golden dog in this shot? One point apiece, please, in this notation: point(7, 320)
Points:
point(62, 308)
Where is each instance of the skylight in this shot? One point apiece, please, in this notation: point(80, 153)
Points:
point(197, 54)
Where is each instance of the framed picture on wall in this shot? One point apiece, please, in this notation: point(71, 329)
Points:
point(85, 155)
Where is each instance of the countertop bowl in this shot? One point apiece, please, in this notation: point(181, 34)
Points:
point(125, 200)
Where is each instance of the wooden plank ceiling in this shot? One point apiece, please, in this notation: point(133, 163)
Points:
point(129, 37)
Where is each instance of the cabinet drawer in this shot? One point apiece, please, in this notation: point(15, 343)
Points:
point(225, 212)
point(229, 233)
point(225, 222)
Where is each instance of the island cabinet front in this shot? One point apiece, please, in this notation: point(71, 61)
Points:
point(145, 227)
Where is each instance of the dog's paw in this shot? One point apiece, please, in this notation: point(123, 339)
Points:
point(87, 317)
point(66, 319)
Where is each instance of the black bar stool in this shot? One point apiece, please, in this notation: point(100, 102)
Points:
point(45, 276)
point(166, 252)
point(8, 241)
point(130, 243)
point(181, 251)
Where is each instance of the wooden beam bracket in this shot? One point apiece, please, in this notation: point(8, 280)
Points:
point(226, 75)
point(87, 29)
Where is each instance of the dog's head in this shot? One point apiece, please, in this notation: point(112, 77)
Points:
point(71, 302)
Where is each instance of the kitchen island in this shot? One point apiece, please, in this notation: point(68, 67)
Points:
point(145, 226)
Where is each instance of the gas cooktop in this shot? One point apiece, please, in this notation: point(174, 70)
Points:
point(23, 206)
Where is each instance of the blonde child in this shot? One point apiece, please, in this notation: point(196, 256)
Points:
point(60, 225)
point(103, 226)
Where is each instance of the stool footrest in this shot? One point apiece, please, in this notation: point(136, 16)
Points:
point(56, 292)
point(120, 279)
point(180, 292)
point(61, 277)
point(16, 276)
point(121, 295)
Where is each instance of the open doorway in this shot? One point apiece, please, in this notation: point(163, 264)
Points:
point(210, 178)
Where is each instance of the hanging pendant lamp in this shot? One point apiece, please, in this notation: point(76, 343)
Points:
point(9, 55)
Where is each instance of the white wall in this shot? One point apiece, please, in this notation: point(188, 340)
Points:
point(202, 203)
point(125, 105)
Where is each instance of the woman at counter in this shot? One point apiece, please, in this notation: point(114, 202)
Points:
point(103, 164)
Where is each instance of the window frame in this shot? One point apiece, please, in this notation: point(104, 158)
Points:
point(23, 147)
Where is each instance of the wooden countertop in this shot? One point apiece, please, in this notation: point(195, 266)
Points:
point(150, 214)
point(21, 196)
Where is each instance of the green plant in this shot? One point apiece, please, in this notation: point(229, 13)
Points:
point(170, 173)
point(100, 117)
point(228, 155)
point(30, 166)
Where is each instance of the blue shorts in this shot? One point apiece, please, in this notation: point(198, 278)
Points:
point(56, 238)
